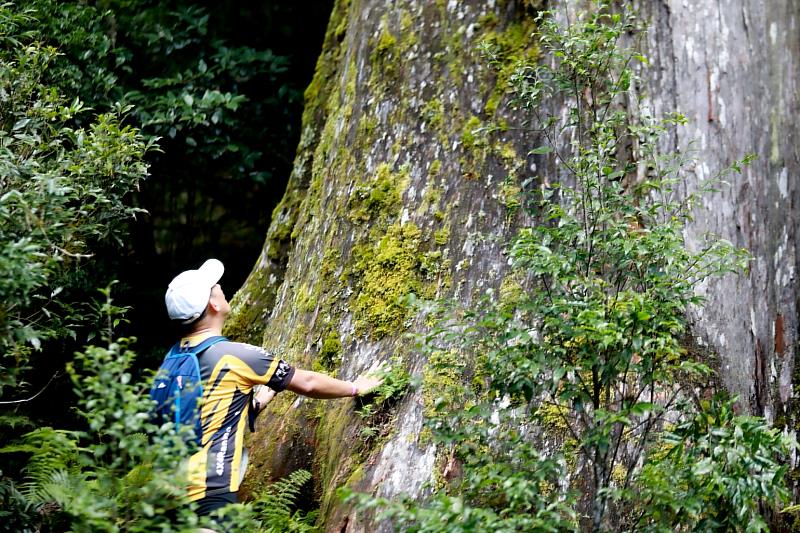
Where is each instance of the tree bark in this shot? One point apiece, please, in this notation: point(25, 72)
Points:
point(732, 68)
point(406, 180)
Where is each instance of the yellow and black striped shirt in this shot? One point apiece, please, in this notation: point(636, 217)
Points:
point(229, 371)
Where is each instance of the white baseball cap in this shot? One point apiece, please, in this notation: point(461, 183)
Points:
point(189, 292)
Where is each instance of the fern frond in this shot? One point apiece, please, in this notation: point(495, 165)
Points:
point(15, 422)
point(53, 451)
point(62, 488)
point(17, 513)
point(275, 505)
point(19, 448)
point(139, 475)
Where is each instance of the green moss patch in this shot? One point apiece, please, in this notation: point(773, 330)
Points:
point(387, 272)
point(442, 235)
point(380, 197)
point(330, 353)
point(443, 383)
point(472, 136)
point(513, 46)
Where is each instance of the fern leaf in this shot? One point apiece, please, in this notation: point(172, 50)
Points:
point(275, 506)
point(15, 422)
point(53, 451)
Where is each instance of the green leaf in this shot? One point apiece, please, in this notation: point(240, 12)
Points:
point(640, 408)
point(540, 150)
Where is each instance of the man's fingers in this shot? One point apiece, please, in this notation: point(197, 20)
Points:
point(377, 366)
point(366, 383)
point(264, 395)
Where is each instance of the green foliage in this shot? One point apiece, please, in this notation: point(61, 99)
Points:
point(452, 514)
point(275, 506)
point(737, 462)
point(574, 374)
point(62, 193)
point(17, 513)
point(185, 84)
point(50, 451)
point(205, 85)
point(396, 382)
point(66, 178)
point(123, 475)
point(375, 407)
point(134, 477)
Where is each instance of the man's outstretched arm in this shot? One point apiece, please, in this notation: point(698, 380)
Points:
point(320, 386)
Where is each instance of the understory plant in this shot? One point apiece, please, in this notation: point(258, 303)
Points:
point(124, 473)
point(581, 407)
point(63, 194)
point(275, 507)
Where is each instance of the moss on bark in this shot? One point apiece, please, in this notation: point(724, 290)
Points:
point(377, 208)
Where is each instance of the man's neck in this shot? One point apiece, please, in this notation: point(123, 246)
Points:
point(206, 330)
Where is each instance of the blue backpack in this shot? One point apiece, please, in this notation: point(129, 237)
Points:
point(178, 385)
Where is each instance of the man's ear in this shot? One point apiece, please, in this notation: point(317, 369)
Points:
point(214, 305)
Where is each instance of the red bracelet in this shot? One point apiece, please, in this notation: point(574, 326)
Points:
point(355, 390)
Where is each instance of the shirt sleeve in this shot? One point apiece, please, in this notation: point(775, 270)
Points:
point(282, 376)
point(262, 367)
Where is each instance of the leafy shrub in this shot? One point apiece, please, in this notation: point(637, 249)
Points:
point(186, 83)
point(123, 475)
point(223, 114)
point(573, 379)
point(275, 507)
point(736, 462)
point(62, 192)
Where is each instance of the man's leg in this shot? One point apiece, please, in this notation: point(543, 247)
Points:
point(209, 504)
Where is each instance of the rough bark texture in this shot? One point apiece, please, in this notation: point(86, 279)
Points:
point(732, 68)
point(406, 179)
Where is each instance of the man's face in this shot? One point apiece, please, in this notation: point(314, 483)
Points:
point(218, 298)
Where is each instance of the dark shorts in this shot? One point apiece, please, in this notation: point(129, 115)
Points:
point(209, 504)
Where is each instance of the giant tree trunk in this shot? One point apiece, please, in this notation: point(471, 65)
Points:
point(406, 178)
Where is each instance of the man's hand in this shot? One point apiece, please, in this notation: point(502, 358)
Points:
point(371, 380)
point(263, 395)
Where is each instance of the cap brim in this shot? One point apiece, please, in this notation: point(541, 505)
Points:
point(212, 270)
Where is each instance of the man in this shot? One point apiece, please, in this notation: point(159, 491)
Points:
point(230, 371)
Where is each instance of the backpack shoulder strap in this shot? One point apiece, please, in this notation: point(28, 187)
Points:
point(177, 350)
point(208, 343)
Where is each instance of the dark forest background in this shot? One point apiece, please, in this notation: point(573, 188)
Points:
point(218, 86)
